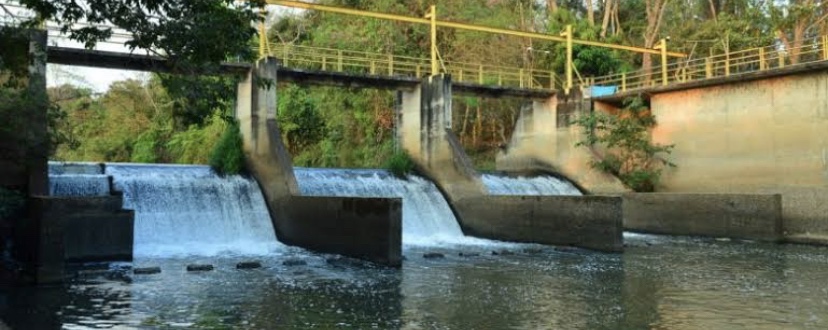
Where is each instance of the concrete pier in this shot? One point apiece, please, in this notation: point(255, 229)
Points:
point(366, 228)
point(425, 119)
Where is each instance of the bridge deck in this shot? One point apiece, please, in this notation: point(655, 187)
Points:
point(136, 62)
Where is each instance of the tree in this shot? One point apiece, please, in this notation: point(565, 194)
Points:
point(622, 144)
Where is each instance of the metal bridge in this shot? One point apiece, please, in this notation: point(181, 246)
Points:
point(310, 64)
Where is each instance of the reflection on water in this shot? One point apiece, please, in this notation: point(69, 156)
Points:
point(658, 283)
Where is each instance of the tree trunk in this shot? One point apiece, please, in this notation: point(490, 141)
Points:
point(552, 6)
point(608, 8)
point(655, 13)
point(590, 12)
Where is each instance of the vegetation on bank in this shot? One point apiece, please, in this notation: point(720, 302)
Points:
point(178, 117)
point(400, 164)
point(622, 145)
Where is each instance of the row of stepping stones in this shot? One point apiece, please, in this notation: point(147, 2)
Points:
point(209, 267)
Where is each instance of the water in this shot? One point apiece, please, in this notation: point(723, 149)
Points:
point(79, 185)
point(189, 210)
point(658, 283)
point(538, 185)
point(427, 217)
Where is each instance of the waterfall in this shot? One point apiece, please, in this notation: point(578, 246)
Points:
point(189, 210)
point(427, 217)
point(538, 185)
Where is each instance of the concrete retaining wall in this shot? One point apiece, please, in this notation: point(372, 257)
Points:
point(366, 228)
point(592, 222)
point(75, 229)
point(745, 216)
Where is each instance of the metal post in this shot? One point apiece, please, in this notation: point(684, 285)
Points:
point(432, 14)
point(417, 72)
point(262, 35)
point(762, 64)
point(460, 74)
point(825, 47)
point(662, 46)
point(520, 76)
point(373, 68)
point(568, 35)
point(781, 59)
point(708, 68)
point(324, 63)
point(390, 65)
point(552, 80)
point(727, 64)
point(623, 81)
point(480, 74)
point(339, 60)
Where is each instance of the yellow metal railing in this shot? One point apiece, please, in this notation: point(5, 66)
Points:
point(359, 62)
point(723, 65)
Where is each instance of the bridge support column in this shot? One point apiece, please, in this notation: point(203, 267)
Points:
point(590, 221)
point(544, 141)
point(367, 228)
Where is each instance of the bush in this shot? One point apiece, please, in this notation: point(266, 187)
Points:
point(400, 164)
point(227, 157)
point(627, 151)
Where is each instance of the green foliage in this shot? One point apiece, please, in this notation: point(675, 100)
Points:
point(623, 140)
point(300, 121)
point(193, 35)
point(227, 156)
point(400, 164)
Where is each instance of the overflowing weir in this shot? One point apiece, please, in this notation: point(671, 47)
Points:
point(179, 209)
point(534, 186)
point(189, 210)
point(427, 217)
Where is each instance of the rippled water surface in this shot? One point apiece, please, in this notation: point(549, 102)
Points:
point(659, 283)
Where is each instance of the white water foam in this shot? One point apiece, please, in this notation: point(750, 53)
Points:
point(189, 210)
point(427, 217)
point(526, 186)
point(78, 185)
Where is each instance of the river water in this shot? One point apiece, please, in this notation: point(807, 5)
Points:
point(658, 283)
point(186, 214)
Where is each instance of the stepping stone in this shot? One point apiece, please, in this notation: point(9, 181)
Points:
point(503, 253)
point(248, 265)
point(146, 270)
point(566, 249)
point(433, 255)
point(199, 268)
point(294, 262)
point(468, 254)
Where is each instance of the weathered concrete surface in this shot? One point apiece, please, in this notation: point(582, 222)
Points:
point(365, 228)
point(75, 229)
point(745, 216)
point(425, 115)
point(762, 136)
point(592, 222)
point(544, 140)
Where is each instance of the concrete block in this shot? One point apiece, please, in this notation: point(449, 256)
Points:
point(745, 216)
point(592, 222)
point(365, 228)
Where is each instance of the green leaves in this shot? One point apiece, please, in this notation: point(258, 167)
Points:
point(227, 156)
point(623, 141)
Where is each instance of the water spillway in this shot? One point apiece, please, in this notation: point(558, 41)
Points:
point(188, 209)
point(534, 186)
point(427, 216)
point(179, 209)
